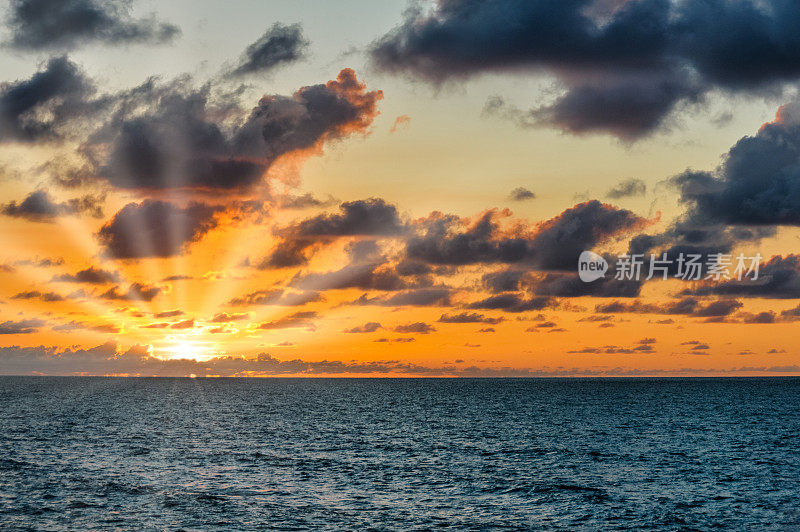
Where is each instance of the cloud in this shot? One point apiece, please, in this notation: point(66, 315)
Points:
point(422, 297)
point(138, 229)
point(168, 314)
point(645, 345)
point(521, 194)
point(224, 317)
point(759, 318)
point(276, 296)
point(512, 303)
point(90, 275)
point(778, 278)
point(570, 285)
point(418, 327)
point(366, 328)
point(40, 263)
point(110, 359)
point(369, 276)
point(47, 297)
point(758, 182)
point(135, 292)
point(625, 66)
point(369, 217)
point(304, 201)
point(98, 327)
point(722, 307)
point(39, 108)
point(175, 136)
point(626, 188)
point(554, 245)
point(468, 317)
point(298, 319)
point(687, 306)
point(402, 121)
point(185, 324)
point(61, 24)
point(39, 207)
point(503, 280)
point(21, 327)
point(280, 45)
point(178, 277)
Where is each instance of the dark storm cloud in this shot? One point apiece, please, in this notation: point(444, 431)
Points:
point(778, 278)
point(512, 303)
point(366, 328)
point(369, 217)
point(625, 66)
point(688, 306)
point(177, 136)
point(555, 246)
point(21, 327)
point(417, 327)
point(40, 207)
point(503, 281)
point(313, 114)
point(156, 229)
point(280, 45)
point(758, 182)
point(60, 24)
point(570, 285)
point(468, 317)
point(135, 292)
point(172, 137)
point(626, 188)
point(90, 275)
point(372, 216)
point(39, 107)
point(521, 194)
point(561, 240)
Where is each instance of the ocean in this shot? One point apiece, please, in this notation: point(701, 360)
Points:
point(80, 453)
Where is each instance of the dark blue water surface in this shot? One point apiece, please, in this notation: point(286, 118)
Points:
point(399, 454)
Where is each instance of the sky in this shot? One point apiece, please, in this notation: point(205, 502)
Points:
point(399, 189)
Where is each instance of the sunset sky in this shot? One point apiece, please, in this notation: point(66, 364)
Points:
point(393, 189)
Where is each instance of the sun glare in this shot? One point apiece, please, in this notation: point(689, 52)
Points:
point(188, 349)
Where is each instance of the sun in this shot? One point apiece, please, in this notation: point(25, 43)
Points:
point(186, 348)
